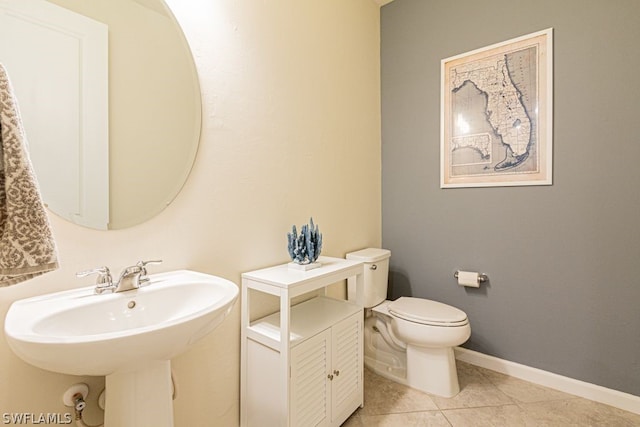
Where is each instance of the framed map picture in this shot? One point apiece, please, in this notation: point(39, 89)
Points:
point(496, 114)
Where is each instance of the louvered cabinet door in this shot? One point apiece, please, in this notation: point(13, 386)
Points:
point(310, 387)
point(346, 367)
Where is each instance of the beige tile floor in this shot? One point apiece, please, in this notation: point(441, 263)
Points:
point(486, 398)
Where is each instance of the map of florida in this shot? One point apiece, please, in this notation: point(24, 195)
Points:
point(505, 111)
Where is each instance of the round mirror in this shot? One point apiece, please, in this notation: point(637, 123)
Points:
point(153, 111)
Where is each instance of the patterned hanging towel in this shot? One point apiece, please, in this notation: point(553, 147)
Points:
point(27, 248)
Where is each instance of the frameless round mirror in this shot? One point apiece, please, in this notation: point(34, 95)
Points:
point(148, 119)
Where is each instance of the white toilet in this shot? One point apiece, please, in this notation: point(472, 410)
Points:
point(409, 340)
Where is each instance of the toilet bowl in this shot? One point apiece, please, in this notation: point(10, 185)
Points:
point(409, 340)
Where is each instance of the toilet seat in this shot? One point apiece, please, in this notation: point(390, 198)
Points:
point(427, 312)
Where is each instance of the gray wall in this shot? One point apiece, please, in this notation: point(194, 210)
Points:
point(564, 294)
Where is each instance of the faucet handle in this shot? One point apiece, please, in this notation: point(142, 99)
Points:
point(154, 261)
point(103, 273)
point(104, 280)
point(143, 268)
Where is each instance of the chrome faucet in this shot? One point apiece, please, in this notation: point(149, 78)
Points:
point(104, 281)
point(131, 277)
point(135, 276)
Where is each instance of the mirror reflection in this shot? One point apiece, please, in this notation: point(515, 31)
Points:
point(151, 113)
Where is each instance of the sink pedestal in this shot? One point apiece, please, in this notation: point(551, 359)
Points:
point(141, 397)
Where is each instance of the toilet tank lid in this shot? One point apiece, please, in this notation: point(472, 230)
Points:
point(370, 255)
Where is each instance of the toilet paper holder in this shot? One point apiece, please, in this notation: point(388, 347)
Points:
point(481, 277)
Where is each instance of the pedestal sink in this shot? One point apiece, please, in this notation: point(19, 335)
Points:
point(129, 337)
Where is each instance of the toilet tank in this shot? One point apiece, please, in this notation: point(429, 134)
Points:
point(376, 275)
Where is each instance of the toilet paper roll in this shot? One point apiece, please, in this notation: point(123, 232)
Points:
point(469, 278)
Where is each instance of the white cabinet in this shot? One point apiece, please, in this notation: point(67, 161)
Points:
point(326, 376)
point(315, 377)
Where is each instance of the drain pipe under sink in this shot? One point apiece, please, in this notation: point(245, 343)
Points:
point(79, 404)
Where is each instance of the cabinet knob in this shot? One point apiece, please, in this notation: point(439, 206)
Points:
point(374, 267)
point(336, 372)
point(330, 376)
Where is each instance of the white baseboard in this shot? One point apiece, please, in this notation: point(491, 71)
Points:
point(618, 399)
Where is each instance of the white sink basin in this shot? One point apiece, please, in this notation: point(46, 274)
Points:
point(129, 337)
point(81, 333)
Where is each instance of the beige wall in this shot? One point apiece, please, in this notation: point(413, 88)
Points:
point(291, 129)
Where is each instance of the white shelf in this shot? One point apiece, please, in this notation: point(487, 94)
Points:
point(307, 319)
point(274, 279)
point(319, 327)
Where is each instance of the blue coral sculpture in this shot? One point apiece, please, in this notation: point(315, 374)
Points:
point(305, 248)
